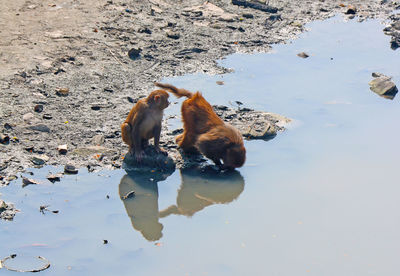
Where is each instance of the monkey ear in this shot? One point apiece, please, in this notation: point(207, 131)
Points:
point(157, 98)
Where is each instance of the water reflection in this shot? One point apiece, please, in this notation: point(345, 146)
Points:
point(142, 206)
point(201, 188)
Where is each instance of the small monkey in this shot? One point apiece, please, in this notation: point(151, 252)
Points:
point(144, 123)
point(204, 131)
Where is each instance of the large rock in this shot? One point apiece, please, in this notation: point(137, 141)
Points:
point(383, 86)
point(152, 161)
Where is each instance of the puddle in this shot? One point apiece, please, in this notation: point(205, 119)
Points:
point(320, 199)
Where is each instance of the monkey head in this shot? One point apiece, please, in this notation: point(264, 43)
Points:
point(234, 156)
point(159, 99)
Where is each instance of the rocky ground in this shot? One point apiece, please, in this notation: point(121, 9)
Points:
point(71, 70)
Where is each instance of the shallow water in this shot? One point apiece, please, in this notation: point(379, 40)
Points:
point(321, 198)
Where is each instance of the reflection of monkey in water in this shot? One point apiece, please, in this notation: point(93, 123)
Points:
point(142, 206)
point(200, 189)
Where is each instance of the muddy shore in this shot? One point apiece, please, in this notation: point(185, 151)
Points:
point(71, 70)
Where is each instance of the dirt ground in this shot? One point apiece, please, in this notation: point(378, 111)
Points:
point(80, 49)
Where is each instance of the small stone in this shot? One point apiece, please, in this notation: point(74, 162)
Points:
point(28, 117)
point(54, 177)
point(173, 35)
point(220, 82)
point(62, 91)
point(134, 54)
point(47, 116)
point(8, 126)
point(98, 140)
point(62, 149)
point(28, 181)
point(351, 10)
point(40, 160)
point(70, 169)
point(128, 10)
point(248, 15)
point(40, 127)
point(38, 108)
point(383, 86)
point(4, 139)
point(303, 55)
point(3, 205)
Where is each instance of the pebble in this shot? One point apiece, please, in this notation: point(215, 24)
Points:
point(134, 54)
point(62, 91)
point(40, 127)
point(62, 149)
point(47, 116)
point(4, 138)
point(303, 55)
point(38, 108)
point(70, 169)
point(40, 159)
point(29, 181)
point(173, 35)
point(351, 10)
point(383, 86)
point(54, 177)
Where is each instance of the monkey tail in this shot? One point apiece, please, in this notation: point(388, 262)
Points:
point(178, 92)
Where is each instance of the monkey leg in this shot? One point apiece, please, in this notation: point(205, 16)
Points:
point(126, 133)
point(186, 143)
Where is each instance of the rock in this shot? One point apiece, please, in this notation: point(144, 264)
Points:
point(383, 86)
point(7, 211)
point(70, 169)
point(62, 149)
point(38, 108)
point(8, 126)
point(3, 205)
point(351, 10)
point(267, 132)
point(303, 55)
point(40, 160)
point(40, 127)
point(152, 161)
point(98, 140)
point(47, 116)
point(54, 177)
point(248, 15)
point(28, 117)
point(134, 54)
point(173, 35)
point(62, 91)
point(28, 181)
point(4, 139)
point(220, 82)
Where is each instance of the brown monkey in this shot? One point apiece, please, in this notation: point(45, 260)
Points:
point(204, 131)
point(144, 122)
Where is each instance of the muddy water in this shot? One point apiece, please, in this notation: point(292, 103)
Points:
point(320, 199)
